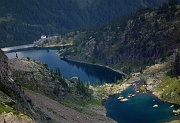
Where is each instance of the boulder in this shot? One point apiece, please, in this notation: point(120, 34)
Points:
point(74, 80)
point(176, 112)
point(149, 88)
point(149, 81)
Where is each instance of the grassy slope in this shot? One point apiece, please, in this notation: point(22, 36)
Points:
point(169, 89)
point(3, 108)
point(164, 85)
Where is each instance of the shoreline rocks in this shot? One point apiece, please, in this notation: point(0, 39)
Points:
point(176, 112)
point(106, 90)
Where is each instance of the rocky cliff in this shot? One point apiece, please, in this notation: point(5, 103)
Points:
point(12, 97)
point(8, 86)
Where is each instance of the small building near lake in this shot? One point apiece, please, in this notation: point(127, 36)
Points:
point(43, 36)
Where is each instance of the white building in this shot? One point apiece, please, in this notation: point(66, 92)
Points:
point(43, 36)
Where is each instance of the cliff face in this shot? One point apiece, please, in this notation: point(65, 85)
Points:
point(131, 43)
point(3, 66)
point(9, 87)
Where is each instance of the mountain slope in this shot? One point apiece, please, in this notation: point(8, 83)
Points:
point(131, 43)
point(59, 99)
point(31, 92)
point(23, 21)
point(13, 102)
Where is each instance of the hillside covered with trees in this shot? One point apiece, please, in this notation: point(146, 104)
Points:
point(23, 21)
point(130, 43)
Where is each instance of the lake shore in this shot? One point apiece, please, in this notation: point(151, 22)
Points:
point(104, 91)
point(66, 59)
point(59, 45)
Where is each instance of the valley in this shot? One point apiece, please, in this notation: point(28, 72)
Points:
point(90, 61)
point(99, 92)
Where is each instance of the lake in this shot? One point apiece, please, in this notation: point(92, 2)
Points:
point(137, 110)
point(86, 72)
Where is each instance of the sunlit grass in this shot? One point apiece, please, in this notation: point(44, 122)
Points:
point(5, 109)
point(169, 89)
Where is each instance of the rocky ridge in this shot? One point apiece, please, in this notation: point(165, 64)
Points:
point(11, 95)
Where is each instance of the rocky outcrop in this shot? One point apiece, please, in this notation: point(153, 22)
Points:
point(74, 80)
point(15, 118)
point(10, 88)
point(38, 77)
point(12, 93)
point(106, 90)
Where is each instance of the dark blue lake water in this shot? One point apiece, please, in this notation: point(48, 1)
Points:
point(69, 69)
point(137, 110)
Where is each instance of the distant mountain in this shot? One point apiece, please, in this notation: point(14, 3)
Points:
point(130, 43)
point(23, 21)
